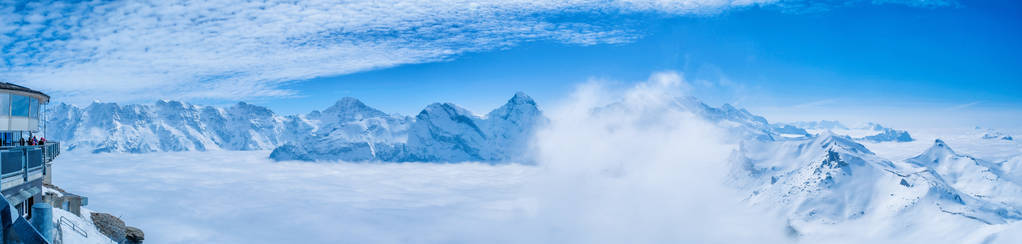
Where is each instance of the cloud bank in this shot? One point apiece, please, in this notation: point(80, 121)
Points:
point(631, 167)
point(638, 171)
point(238, 49)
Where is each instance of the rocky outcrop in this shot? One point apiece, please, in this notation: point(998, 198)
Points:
point(134, 235)
point(110, 226)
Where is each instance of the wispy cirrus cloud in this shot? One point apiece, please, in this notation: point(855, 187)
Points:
point(238, 49)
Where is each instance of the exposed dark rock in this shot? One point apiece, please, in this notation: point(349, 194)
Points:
point(110, 226)
point(134, 235)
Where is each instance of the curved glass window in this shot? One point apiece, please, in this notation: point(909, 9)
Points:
point(19, 105)
point(33, 106)
point(5, 104)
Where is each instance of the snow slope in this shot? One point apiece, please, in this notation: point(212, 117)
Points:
point(976, 177)
point(445, 132)
point(831, 180)
point(442, 132)
point(170, 126)
point(868, 132)
point(825, 188)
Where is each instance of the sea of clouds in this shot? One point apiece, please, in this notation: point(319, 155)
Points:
point(637, 170)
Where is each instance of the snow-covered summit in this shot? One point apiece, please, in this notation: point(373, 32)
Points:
point(869, 132)
point(939, 150)
point(976, 177)
point(347, 109)
point(740, 122)
point(820, 125)
point(887, 134)
point(833, 179)
point(347, 130)
point(990, 134)
point(169, 126)
point(441, 132)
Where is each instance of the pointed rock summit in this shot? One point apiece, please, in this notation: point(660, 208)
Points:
point(349, 108)
point(934, 154)
point(521, 98)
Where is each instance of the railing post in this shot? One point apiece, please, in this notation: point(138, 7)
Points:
point(24, 164)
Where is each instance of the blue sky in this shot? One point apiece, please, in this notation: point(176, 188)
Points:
point(788, 60)
point(862, 56)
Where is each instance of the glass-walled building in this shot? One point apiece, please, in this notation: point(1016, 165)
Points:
point(20, 108)
point(21, 113)
point(25, 158)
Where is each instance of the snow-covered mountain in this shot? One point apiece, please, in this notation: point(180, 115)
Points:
point(976, 177)
point(442, 132)
point(886, 134)
point(812, 180)
point(170, 126)
point(820, 125)
point(869, 132)
point(740, 122)
point(998, 135)
point(349, 130)
point(831, 179)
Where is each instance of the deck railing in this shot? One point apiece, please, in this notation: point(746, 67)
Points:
point(22, 164)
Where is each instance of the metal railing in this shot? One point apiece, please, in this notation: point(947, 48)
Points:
point(23, 164)
point(74, 227)
point(51, 149)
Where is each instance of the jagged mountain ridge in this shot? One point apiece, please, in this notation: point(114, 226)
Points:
point(876, 132)
point(445, 132)
point(976, 177)
point(825, 178)
point(170, 126)
point(349, 130)
point(442, 132)
point(832, 179)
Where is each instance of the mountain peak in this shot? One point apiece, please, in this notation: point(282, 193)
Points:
point(445, 108)
point(349, 103)
point(939, 143)
point(171, 104)
point(349, 100)
point(941, 147)
point(518, 106)
point(830, 141)
point(249, 108)
point(521, 98)
point(939, 150)
point(348, 108)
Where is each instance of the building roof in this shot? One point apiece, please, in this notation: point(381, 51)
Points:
point(13, 87)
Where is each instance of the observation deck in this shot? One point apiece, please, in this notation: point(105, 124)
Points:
point(24, 169)
point(25, 162)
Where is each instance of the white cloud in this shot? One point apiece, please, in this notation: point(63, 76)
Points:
point(638, 171)
point(643, 172)
point(244, 197)
point(236, 49)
